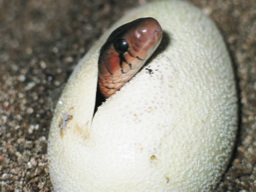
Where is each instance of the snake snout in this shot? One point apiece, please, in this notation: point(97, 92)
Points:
point(149, 30)
point(154, 27)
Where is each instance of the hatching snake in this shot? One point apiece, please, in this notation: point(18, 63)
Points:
point(125, 52)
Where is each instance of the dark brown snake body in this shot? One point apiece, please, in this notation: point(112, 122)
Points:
point(125, 52)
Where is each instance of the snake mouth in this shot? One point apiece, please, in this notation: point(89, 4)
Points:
point(141, 59)
point(135, 56)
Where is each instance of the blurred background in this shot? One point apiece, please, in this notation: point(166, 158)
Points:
point(42, 41)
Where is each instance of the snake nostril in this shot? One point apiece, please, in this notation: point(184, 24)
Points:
point(157, 32)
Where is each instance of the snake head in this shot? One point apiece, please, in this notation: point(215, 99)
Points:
point(144, 38)
point(125, 52)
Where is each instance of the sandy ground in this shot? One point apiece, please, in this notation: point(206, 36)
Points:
point(42, 41)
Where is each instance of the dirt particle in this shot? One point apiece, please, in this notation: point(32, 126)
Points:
point(64, 122)
point(83, 132)
point(153, 158)
point(167, 179)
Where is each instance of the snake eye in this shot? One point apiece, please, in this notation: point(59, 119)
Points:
point(121, 45)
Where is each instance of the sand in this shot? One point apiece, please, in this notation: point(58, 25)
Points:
point(42, 41)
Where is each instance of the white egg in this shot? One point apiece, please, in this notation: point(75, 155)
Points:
point(171, 128)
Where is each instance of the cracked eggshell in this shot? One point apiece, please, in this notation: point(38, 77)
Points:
point(171, 128)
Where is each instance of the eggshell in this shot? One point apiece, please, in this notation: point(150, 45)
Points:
point(171, 128)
